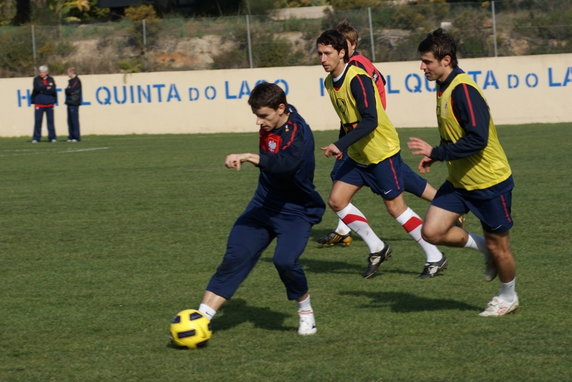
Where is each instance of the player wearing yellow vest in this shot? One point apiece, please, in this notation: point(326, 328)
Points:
point(413, 182)
point(373, 149)
point(480, 178)
point(382, 142)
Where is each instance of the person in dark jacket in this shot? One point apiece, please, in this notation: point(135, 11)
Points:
point(284, 207)
point(44, 97)
point(73, 100)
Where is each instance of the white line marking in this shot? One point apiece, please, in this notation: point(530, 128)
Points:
point(82, 150)
point(11, 153)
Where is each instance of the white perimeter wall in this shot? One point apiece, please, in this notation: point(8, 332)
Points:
point(525, 89)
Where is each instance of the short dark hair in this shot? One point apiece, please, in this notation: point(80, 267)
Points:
point(267, 94)
point(336, 39)
point(441, 44)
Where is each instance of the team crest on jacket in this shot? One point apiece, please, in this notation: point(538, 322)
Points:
point(273, 143)
point(272, 146)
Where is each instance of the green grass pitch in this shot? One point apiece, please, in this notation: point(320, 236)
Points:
point(103, 241)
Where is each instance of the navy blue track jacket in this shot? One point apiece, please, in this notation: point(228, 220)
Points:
point(44, 91)
point(287, 163)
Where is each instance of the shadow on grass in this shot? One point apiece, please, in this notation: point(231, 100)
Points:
point(401, 272)
point(318, 233)
point(343, 267)
point(237, 312)
point(325, 266)
point(400, 302)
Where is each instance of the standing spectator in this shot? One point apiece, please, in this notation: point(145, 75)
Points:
point(44, 97)
point(73, 100)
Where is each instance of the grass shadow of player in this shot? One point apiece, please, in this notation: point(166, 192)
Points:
point(318, 233)
point(236, 312)
point(399, 271)
point(313, 265)
point(330, 266)
point(326, 266)
point(400, 302)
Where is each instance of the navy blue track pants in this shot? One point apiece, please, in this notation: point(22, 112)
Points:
point(251, 234)
point(38, 117)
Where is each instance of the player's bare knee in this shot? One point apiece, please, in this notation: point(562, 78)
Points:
point(430, 235)
point(393, 210)
point(336, 204)
point(499, 253)
point(492, 248)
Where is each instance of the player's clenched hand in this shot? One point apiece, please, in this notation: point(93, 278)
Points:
point(425, 165)
point(332, 151)
point(233, 161)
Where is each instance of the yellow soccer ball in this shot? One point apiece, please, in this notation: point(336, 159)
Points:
point(190, 329)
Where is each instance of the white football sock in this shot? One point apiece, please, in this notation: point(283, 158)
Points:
point(477, 242)
point(412, 224)
point(306, 317)
point(207, 311)
point(508, 291)
point(342, 228)
point(304, 305)
point(354, 219)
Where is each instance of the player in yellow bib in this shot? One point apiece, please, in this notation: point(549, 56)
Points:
point(373, 150)
point(413, 182)
point(480, 178)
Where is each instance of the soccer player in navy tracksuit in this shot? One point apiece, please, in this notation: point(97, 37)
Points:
point(44, 97)
point(284, 207)
point(480, 178)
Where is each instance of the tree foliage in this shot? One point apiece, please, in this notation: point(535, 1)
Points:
point(23, 12)
point(161, 43)
point(353, 4)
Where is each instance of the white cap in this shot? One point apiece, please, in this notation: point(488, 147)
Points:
point(43, 68)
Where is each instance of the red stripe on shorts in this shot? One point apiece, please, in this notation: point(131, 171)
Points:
point(505, 209)
point(394, 174)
